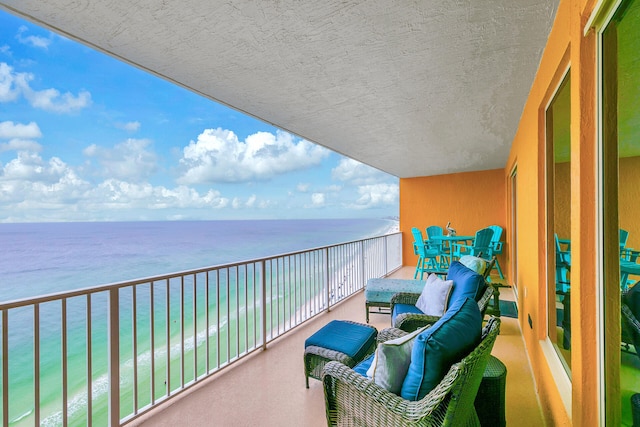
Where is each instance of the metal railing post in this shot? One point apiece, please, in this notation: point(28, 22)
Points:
point(386, 255)
point(363, 273)
point(114, 357)
point(325, 267)
point(263, 285)
point(5, 367)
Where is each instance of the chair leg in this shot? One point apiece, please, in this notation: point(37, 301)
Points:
point(497, 265)
point(418, 268)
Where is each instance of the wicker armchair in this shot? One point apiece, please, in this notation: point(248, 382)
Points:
point(411, 321)
point(630, 323)
point(353, 400)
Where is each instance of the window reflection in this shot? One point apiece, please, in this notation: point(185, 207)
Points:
point(558, 123)
point(621, 74)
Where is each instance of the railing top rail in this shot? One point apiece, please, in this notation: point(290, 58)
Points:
point(109, 286)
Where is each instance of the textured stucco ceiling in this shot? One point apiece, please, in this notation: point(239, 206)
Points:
point(413, 88)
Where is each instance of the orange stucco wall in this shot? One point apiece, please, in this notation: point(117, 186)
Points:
point(474, 200)
point(470, 201)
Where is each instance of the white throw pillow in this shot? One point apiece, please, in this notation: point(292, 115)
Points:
point(391, 362)
point(474, 263)
point(435, 295)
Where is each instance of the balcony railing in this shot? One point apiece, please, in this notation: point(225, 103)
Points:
point(107, 354)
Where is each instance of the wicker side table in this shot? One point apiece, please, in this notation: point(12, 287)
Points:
point(341, 340)
point(490, 400)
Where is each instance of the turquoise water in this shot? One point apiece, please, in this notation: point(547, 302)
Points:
point(56, 257)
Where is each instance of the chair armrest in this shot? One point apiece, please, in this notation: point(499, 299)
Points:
point(409, 322)
point(490, 264)
point(460, 246)
point(483, 303)
point(629, 254)
point(497, 247)
point(390, 334)
point(404, 298)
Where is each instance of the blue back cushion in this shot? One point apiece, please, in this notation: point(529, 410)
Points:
point(450, 339)
point(466, 283)
point(349, 338)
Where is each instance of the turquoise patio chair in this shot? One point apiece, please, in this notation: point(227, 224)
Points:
point(624, 236)
point(496, 247)
point(433, 233)
point(563, 265)
point(563, 286)
point(625, 253)
point(427, 262)
point(479, 247)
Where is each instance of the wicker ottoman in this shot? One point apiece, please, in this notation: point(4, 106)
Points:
point(490, 400)
point(341, 340)
point(378, 292)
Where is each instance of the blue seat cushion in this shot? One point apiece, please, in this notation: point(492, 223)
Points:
point(364, 366)
point(450, 339)
point(466, 283)
point(403, 308)
point(352, 339)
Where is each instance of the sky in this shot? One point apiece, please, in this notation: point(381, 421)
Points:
point(85, 137)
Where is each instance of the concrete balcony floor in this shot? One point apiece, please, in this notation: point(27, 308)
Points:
point(268, 388)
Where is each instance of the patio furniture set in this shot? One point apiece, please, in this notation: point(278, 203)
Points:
point(437, 251)
point(432, 367)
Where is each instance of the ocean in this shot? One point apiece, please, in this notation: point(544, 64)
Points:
point(44, 258)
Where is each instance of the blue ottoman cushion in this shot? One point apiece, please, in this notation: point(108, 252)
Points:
point(351, 339)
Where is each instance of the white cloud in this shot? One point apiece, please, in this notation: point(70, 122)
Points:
point(8, 89)
point(116, 194)
point(52, 189)
point(34, 41)
point(238, 203)
point(377, 195)
point(13, 84)
point(10, 130)
point(129, 160)
point(29, 181)
point(317, 199)
point(18, 144)
point(129, 126)
point(51, 100)
point(219, 156)
point(357, 173)
point(303, 188)
point(30, 166)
